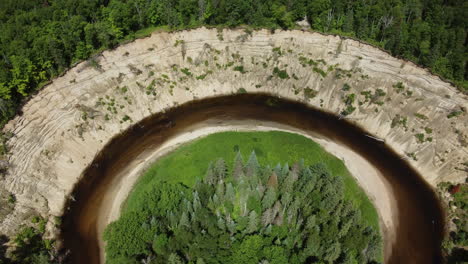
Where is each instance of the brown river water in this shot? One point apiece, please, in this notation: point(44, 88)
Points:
point(420, 219)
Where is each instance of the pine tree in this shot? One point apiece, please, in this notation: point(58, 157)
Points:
point(267, 217)
point(221, 223)
point(220, 170)
point(230, 224)
point(184, 220)
point(253, 223)
point(210, 177)
point(260, 189)
point(273, 181)
point(287, 185)
point(277, 209)
point(174, 259)
point(333, 252)
point(284, 170)
point(278, 170)
point(172, 220)
point(196, 201)
point(220, 191)
point(310, 223)
point(295, 170)
point(252, 166)
point(238, 170)
point(230, 192)
point(286, 199)
point(269, 198)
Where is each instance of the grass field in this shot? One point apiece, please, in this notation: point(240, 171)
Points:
point(189, 162)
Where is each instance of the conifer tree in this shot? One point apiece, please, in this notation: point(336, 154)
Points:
point(253, 222)
point(238, 170)
point(174, 259)
point(230, 192)
point(184, 220)
point(210, 177)
point(252, 166)
point(285, 170)
point(278, 170)
point(196, 201)
point(267, 217)
point(273, 181)
point(269, 198)
point(220, 191)
point(220, 170)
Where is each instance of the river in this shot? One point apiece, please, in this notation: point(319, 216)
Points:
point(420, 218)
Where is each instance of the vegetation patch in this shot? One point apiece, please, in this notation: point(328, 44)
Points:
point(30, 246)
point(346, 87)
point(309, 93)
point(399, 87)
point(349, 101)
point(454, 114)
point(282, 74)
point(421, 116)
point(412, 156)
point(241, 91)
point(186, 71)
point(188, 163)
point(399, 121)
point(245, 213)
point(307, 62)
point(456, 242)
point(240, 69)
point(320, 71)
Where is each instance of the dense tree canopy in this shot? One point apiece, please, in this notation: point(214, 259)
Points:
point(248, 214)
point(30, 247)
point(455, 244)
point(39, 39)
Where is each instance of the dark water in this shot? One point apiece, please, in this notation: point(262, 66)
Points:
point(420, 217)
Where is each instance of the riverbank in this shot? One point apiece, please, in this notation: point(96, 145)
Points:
point(362, 171)
point(405, 205)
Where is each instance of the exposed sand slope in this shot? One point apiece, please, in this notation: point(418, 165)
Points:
point(65, 125)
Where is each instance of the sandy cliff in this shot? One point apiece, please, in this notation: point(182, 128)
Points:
point(69, 121)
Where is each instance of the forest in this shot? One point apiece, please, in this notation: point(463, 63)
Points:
point(245, 214)
point(40, 39)
point(456, 243)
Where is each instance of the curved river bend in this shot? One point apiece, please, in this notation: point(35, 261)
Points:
point(420, 218)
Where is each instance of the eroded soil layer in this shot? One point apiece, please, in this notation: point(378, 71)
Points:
point(420, 220)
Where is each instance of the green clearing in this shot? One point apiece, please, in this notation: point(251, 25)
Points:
point(188, 162)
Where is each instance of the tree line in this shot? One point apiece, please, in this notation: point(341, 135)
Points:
point(39, 39)
point(248, 214)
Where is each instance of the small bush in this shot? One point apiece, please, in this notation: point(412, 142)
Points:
point(320, 71)
point(310, 93)
point(241, 91)
point(420, 137)
point(454, 114)
point(239, 69)
point(399, 87)
point(282, 74)
point(346, 87)
point(421, 116)
point(186, 71)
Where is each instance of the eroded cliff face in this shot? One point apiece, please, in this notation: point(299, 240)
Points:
point(67, 123)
